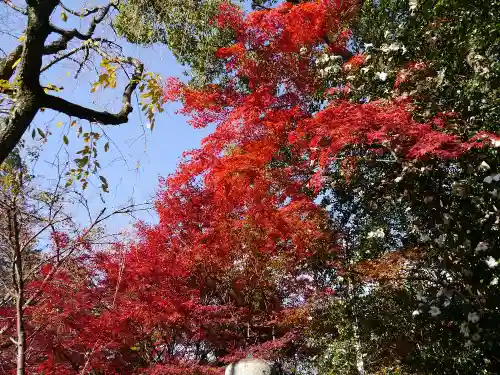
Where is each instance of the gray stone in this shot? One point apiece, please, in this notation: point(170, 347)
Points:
point(249, 366)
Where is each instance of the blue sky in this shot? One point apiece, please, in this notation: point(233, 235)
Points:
point(137, 156)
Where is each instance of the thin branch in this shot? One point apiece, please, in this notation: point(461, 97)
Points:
point(15, 7)
point(103, 12)
point(63, 56)
point(85, 46)
point(7, 64)
point(84, 13)
point(102, 117)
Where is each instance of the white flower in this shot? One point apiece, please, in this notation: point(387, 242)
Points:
point(491, 262)
point(415, 313)
point(368, 46)
point(413, 5)
point(425, 238)
point(303, 50)
point(481, 246)
point(398, 179)
point(381, 75)
point(495, 142)
point(484, 166)
point(387, 33)
point(475, 337)
point(496, 177)
point(421, 298)
point(488, 179)
point(304, 277)
point(494, 281)
point(434, 311)
point(379, 233)
point(440, 240)
point(468, 344)
point(394, 47)
point(473, 317)
point(464, 329)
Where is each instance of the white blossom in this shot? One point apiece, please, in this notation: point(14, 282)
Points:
point(481, 246)
point(398, 179)
point(468, 344)
point(440, 240)
point(379, 233)
point(368, 46)
point(415, 313)
point(473, 317)
point(385, 48)
point(394, 47)
point(381, 75)
point(304, 277)
point(495, 142)
point(421, 298)
point(494, 281)
point(491, 262)
point(488, 179)
point(484, 166)
point(434, 311)
point(413, 5)
point(464, 329)
point(425, 238)
point(475, 337)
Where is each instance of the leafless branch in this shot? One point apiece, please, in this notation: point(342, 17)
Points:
point(15, 7)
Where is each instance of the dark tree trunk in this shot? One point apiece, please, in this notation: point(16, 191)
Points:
point(27, 100)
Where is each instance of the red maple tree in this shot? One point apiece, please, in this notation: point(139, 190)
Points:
point(230, 267)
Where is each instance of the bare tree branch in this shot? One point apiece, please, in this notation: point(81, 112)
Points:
point(83, 13)
point(7, 63)
point(15, 7)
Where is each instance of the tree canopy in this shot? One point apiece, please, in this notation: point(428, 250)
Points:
point(342, 217)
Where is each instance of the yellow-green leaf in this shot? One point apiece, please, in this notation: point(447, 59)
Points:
point(17, 62)
point(65, 140)
point(64, 16)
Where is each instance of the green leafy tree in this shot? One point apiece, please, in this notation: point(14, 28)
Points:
point(44, 45)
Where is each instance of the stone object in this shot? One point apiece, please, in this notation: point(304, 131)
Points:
point(249, 366)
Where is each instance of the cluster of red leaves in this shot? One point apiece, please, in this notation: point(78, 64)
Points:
point(218, 276)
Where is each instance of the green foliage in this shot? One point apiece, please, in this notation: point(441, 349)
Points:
point(186, 27)
point(457, 40)
point(423, 320)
